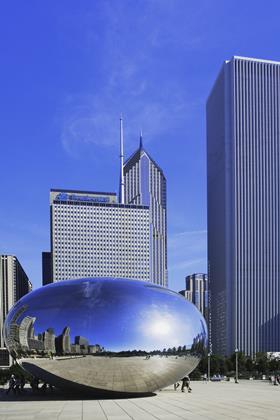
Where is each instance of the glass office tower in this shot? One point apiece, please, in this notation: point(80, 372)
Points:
point(243, 157)
point(196, 291)
point(145, 184)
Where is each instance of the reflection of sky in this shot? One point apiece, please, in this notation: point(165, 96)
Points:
point(117, 314)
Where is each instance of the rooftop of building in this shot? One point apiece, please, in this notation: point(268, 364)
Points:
point(82, 191)
point(259, 60)
point(137, 155)
point(97, 204)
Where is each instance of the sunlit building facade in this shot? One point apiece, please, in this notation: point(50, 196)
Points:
point(145, 184)
point(196, 291)
point(243, 175)
point(92, 235)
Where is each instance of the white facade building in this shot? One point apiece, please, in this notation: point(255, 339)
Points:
point(94, 236)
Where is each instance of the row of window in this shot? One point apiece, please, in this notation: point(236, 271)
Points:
point(113, 212)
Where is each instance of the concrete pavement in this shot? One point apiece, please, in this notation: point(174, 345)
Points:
point(221, 400)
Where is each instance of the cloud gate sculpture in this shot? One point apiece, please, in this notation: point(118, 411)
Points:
point(106, 335)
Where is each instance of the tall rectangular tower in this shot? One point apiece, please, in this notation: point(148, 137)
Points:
point(14, 284)
point(197, 292)
point(243, 176)
point(145, 184)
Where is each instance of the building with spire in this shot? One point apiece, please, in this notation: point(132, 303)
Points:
point(145, 184)
point(95, 234)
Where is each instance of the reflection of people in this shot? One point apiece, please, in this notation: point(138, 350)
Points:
point(12, 383)
point(176, 385)
point(22, 382)
point(186, 384)
point(34, 383)
point(17, 386)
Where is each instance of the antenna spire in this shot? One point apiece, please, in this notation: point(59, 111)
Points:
point(141, 140)
point(121, 192)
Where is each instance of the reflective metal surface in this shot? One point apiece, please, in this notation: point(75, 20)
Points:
point(106, 334)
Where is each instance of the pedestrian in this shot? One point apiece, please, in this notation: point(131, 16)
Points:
point(186, 384)
point(204, 377)
point(12, 382)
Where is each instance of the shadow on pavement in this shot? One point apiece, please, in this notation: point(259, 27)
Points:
point(59, 395)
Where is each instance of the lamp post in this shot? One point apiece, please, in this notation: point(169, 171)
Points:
point(209, 361)
point(236, 365)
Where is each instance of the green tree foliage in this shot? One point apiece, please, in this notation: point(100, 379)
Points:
point(260, 365)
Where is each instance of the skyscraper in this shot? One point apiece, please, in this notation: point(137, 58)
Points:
point(243, 175)
point(197, 292)
point(92, 235)
point(47, 276)
point(14, 284)
point(95, 234)
point(145, 184)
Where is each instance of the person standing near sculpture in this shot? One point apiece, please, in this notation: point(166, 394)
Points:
point(186, 384)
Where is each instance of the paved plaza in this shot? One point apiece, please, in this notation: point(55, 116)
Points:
point(224, 400)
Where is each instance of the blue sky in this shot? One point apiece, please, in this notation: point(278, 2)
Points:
point(68, 69)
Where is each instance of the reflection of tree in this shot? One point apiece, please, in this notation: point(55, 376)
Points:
point(199, 344)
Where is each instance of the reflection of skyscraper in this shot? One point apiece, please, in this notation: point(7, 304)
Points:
point(26, 331)
point(82, 341)
point(243, 175)
point(49, 340)
point(145, 184)
point(12, 333)
point(94, 348)
point(14, 284)
point(62, 342)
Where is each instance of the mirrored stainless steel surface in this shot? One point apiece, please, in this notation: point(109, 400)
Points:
point(106, 335)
